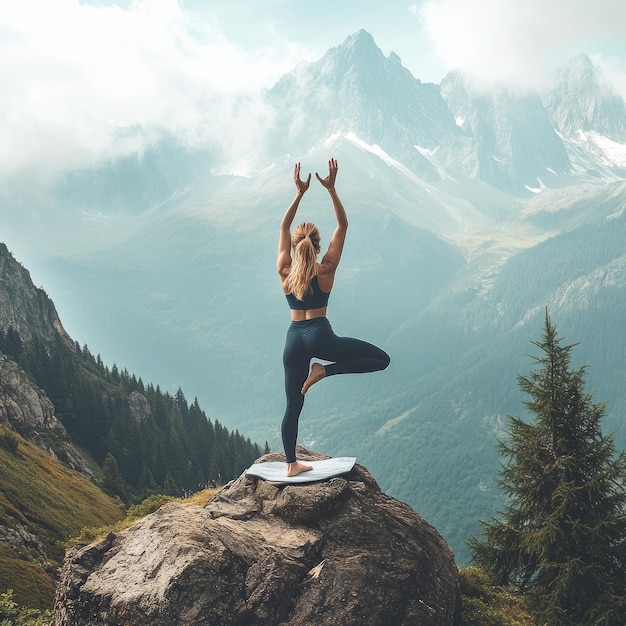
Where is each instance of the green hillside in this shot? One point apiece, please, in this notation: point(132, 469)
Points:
point(41, 498)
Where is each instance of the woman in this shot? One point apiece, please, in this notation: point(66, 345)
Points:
point(307, 285)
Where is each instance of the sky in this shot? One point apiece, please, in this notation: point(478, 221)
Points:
point(82, 82)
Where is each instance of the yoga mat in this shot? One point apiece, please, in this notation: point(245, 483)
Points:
point(276, 472)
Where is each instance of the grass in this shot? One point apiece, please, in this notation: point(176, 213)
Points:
point(42, 497)
point(134, 513)
point(35, 584)
point(486, 604)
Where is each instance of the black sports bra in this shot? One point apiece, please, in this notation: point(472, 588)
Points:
point(314, 298)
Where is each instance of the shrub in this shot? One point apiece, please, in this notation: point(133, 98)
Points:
point(13, 615)
point(149, 505)
point(487, 604)
point(8, 440)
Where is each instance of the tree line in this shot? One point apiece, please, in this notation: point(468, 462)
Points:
point(143, 440)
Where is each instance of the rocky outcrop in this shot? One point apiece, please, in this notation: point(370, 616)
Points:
point(139, 407)
point(26, 409)
point(335, 552)
point(25, 544)
point(24, 307)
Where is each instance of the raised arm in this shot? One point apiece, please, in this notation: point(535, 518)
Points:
point(283, 261)
point(335, 247)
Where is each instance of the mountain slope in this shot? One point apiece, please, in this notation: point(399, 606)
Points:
point(508, 138)
point(476, 342)
point(42, 504)
point(28, 311)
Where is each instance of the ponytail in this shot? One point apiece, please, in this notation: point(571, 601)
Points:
point(306, 247)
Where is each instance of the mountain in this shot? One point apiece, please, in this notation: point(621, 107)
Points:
point(582, 99)
point(27, 314)
point(355, 89)
point(590, 117)
point(508, 137)
point(455, 249)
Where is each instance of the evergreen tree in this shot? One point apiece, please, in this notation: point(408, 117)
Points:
point(146, 486)
point(170, 487)
point(111, 477)
point(562, 536)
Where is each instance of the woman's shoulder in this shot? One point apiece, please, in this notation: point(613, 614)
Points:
point(325, 269)
point(325, 276)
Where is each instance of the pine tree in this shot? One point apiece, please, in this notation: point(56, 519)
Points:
point(111, 477)
point(170, 487)
point(562, 535)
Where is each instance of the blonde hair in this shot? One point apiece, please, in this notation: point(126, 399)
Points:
point(306, 246)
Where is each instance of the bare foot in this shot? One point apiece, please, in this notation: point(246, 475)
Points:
point(317, 373)
point(293, 469)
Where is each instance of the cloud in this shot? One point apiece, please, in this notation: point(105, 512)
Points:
point(520, 41)
point(81, 83)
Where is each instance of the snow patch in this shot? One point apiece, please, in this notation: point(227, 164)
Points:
point(608, 152)
point(382, 155)
point(332, 139)
point(536, 189)
point(373, 148)
point(615, 153)
point(460, 121)
point(426, 152)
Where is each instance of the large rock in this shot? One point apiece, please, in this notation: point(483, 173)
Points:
point(335, 552)
point(26, 409)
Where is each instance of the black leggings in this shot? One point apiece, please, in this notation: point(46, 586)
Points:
point(315, 339)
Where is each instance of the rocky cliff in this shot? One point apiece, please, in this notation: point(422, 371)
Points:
point(26, 409)
point(335, 552)
point(23, 306)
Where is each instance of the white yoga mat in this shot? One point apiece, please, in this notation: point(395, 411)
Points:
point(276, 472)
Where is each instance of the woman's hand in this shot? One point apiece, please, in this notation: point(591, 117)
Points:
point(301, 185)
point(329, 181)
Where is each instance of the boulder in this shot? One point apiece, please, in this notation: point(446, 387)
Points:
point(337, 552)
